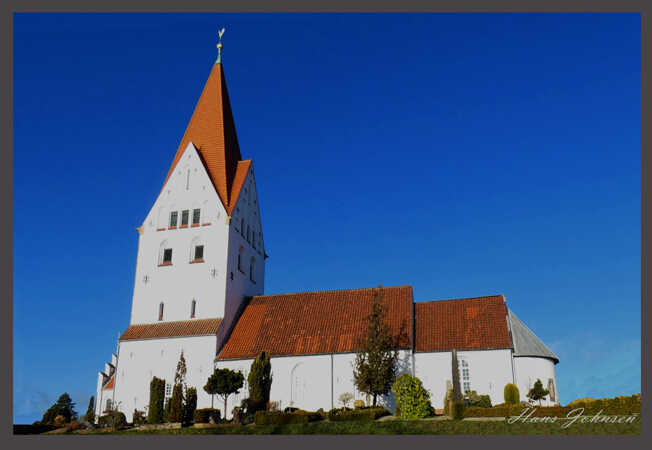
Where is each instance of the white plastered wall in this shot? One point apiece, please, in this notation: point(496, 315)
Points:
point(140, 360)
point(490, 371)
point(189, 187)
point(527, 369)
point(309, 382)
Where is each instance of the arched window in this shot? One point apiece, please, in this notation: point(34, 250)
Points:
point(252, 265)
point(160, 311)
point(197, 250)
point(240, 256)
point(193, 307)
point(109, 404)
point(248, 233)
point(242, 230)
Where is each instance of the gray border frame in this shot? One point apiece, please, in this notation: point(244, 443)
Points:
point(6, 227)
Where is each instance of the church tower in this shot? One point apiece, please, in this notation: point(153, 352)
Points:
point(200, 254)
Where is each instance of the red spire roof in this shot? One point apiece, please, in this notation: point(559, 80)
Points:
point(212, 131)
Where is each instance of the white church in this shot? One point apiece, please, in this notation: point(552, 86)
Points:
point(199, 289)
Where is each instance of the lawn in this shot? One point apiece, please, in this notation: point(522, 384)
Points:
point(408, 427)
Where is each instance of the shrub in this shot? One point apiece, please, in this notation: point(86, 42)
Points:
point(206, 415)
point(475, 400)
point(279, 418)
point(113, 419)
point(274, 406)
point(447, 402)
point(289, 409)
point(358, 415)
point(412, 398)
point(176, 404)
point(511, 394)
point(190, 406)
point(358, 404)
point(59, 420)
point(458, 410)
point(139, 417)
point(74, 425)
point(582, 400)
point(155, 411)
point(537, 393)
point(345, 398)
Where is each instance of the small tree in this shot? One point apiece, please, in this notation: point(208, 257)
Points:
point(412, 398)
point(190, 405)
point(537, 392)
point(155, 409)
point(90, 412)
point(176, 404)
point(224, 382)
point(457, 408)
point(346, 398)
point(511, 394)
point(375, 362)
point(260, 380)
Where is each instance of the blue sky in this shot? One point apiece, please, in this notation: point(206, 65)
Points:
point(463, 154)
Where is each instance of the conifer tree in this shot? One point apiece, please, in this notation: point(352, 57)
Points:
point(155, 410)
point(90, 412)
point(537, 392)
point(260, 379)
point(176, 404)
point(375, 362)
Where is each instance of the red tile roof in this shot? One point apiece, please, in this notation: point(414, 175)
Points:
point(462, 324)
point(200, 327)
point(315, 322)
point(110, 384)
point(212, 131)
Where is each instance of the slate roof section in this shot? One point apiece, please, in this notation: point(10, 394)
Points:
point(478, 323)
point(315, 322)
point(181, 328)
point(212, 131)
point(526, 343)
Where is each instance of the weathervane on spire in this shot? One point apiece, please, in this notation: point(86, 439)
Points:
point(219, 46)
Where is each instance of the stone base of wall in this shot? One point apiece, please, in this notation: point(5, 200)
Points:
point(159, 426)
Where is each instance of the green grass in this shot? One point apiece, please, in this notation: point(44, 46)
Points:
point(410, 427)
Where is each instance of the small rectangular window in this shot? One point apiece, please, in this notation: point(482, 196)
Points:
point(184, 217)
point(167, 255)
point(195, 216)
point(173, 218)
point(199, 252)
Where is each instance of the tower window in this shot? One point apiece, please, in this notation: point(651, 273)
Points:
point(248, 234)
point(465, 375)
point(242, 230)
point(193, 307)
point(240, 253)
point(188, 180)
point(167, 256)
point(199, 252)
point(160, 311)
point(251, 269)
point(173, 218)
point(168, 390)
point(195, 216)
point(184, 217)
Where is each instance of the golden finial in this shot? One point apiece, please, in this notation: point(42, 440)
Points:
point(219, 46)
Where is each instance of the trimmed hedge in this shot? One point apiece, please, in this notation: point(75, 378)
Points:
point(204, 415)
point(608, 406)
point(113, 419)
point(357, 415)
point(279, 418)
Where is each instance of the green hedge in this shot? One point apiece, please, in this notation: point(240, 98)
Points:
point(113, 419)
point(204, 415)
point(362, 414)
point(282, 418)
point(608, 406)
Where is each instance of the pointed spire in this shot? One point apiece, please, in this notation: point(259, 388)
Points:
point(212, 132)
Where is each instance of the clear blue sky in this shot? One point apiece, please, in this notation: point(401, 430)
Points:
point(463, 154)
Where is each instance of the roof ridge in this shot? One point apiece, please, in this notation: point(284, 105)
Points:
point(174, 321)
point(458, 299)
point(332, 290)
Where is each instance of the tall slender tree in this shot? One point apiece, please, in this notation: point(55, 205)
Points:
point(260, 379)
point(90, 412)
point(375, 362)
point(457, 390)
